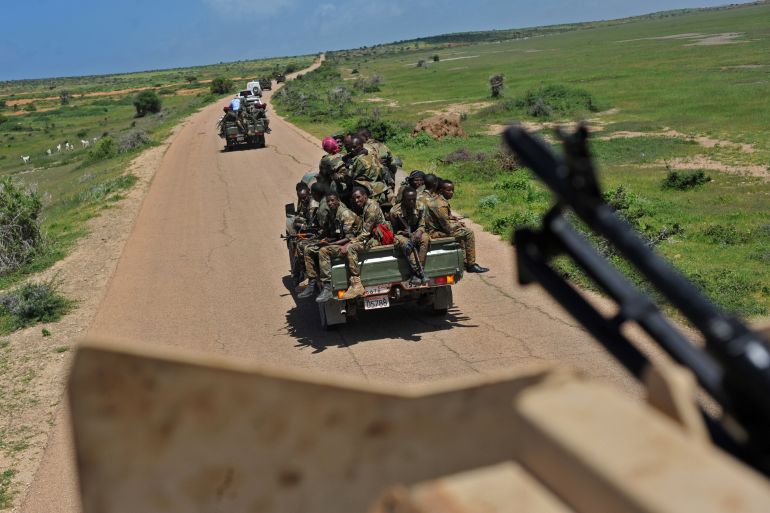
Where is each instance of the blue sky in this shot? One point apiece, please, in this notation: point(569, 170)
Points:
point(45, 38)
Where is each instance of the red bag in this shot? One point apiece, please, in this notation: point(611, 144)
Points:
point(383, 234)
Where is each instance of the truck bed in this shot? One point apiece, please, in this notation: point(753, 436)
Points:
point(384, 264)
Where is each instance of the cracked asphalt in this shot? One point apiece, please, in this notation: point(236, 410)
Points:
point(205, 269)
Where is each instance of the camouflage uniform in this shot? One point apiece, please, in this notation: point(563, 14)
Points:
point(439, 224)
point(412, 222)
point(386, 159)
point(305, 223)
point(332, 172)
point(365, 169)
point(424, 198)
point(346, 225)
point(371, 216)
point(404, 185)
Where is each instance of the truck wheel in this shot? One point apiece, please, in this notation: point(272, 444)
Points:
point(442, 301)
point(261, 141)
point(332, 314)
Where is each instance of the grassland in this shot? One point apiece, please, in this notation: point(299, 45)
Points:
point(77, 184)
point(683, 92)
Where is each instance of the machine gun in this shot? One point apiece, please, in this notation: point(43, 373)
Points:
point(732, 366)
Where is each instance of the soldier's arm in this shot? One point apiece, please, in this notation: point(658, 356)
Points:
point(441, 214)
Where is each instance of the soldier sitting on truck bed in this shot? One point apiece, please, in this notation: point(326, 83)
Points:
point(365, 169)
point(304, 222)
point(331, 170)
point(389, 168)
point(373, 231)
point(441, 223)
point(341, 226)
point(415, 180)
point(408, 221)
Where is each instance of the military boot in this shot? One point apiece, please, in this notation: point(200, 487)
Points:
point(355, 290)
point(308, 292)
point(326, 294)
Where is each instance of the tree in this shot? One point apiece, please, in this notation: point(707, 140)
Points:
point(146, 101)
point(2, 104)
point(436, 58)
point(191, 78)
point(64, 97)
point(496, 85)
point(221, 85)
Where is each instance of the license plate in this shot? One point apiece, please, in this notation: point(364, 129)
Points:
point(376, 290)
point(376, 302)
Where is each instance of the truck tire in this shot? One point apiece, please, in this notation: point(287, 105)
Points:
point(442, 301)
point(332, 314)
point(260, 141)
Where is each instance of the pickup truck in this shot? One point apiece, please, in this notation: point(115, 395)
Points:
point(385, 275)
point(234, 136)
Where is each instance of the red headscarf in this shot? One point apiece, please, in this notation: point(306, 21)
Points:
point(330, 145)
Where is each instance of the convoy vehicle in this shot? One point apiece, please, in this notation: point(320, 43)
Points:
point(280, 78)
point(252, 133)
point(266, 84)
point(255, 87)
point(385, 275)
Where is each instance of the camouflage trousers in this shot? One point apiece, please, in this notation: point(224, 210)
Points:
point(301, 249)
point(405, 245)
point(465, 237)
point(328, 253)
point(378, 191)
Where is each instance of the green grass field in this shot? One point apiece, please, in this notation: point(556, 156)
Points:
point(76, 185)
point(701, 74)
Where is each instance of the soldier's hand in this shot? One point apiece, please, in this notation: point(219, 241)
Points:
point(344, 249)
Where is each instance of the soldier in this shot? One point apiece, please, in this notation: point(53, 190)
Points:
point(383, 154)
point(424, 198)
point(331, 169)
point(370, 234)
point(441, 223)
point(366, 170)
point(341, 227)
point(415, 180)
point(408, 220)
point(304, 223)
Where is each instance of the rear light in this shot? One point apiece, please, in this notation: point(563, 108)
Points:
point(450, 279)
point(445, 280)
point(441, 280)
point(340, 293)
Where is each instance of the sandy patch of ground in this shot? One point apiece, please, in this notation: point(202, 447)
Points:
point(706, 142)
point(415, 64)
point(696, 38)
point(458, 68)
point(388, 103)
point(427, 101)
point(459, 108)
point(37, 366)
point(187, 92)
point(743, 67)
point(705, 163)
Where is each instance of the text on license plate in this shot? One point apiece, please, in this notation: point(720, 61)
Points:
point(375, 302)
point(376, 290)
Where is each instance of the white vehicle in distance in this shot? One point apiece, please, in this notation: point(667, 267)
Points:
point(254, 87)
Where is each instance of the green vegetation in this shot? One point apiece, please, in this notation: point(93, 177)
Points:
point(636, 84)
point(20, 237)
point(6, 496)
point(221, 85)
point(146, 102)
point(30, 304)
point(75, 185)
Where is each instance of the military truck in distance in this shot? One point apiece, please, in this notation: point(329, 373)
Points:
point(280, 78)
point(266, 84)
point(385, 274)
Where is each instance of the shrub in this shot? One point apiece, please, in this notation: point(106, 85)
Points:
point(82, 133)
point(683, 181)
point(464, 155)
point(732, 290)
point(32, 303)
point(3, 104)
point(496, 85)
point(504, 225)
point(422, 63)
point(30, 107)
point(725, 235)
point(132, 140)
point(512, 182)
point(64, 97)
point(20, 235)
point(221, 85)
point(191, 78)
point(436, 58)
point(380, 129)
point(556, 100)
point(146, 101)
point(291, 68)
point(101, 190)
point(489, 202)
point(102, 150)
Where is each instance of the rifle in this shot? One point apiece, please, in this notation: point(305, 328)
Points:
point(733, 367)
point(411, 247)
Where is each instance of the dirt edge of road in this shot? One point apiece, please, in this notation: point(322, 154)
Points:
point(38, 365)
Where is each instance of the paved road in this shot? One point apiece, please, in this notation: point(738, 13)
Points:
point(204, 268)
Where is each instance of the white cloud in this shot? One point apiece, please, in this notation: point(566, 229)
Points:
point(232, 8)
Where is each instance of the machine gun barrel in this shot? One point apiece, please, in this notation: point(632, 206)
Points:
point(736, 369)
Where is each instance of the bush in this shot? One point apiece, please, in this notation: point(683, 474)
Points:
point(489, 202)
point(436, 58)
point(221, 85)
point(496, 85)
point(556, 100)
point(102, 150)
point(146, 101)
point(512, 182)
point(132, 140)
point(684, 181)
point(101, 190)
point(504, 225)
point(725, 235)
point(3, 104)
point(32, 303)
point(20, 235)
point(380, 129)
point(464, 155)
